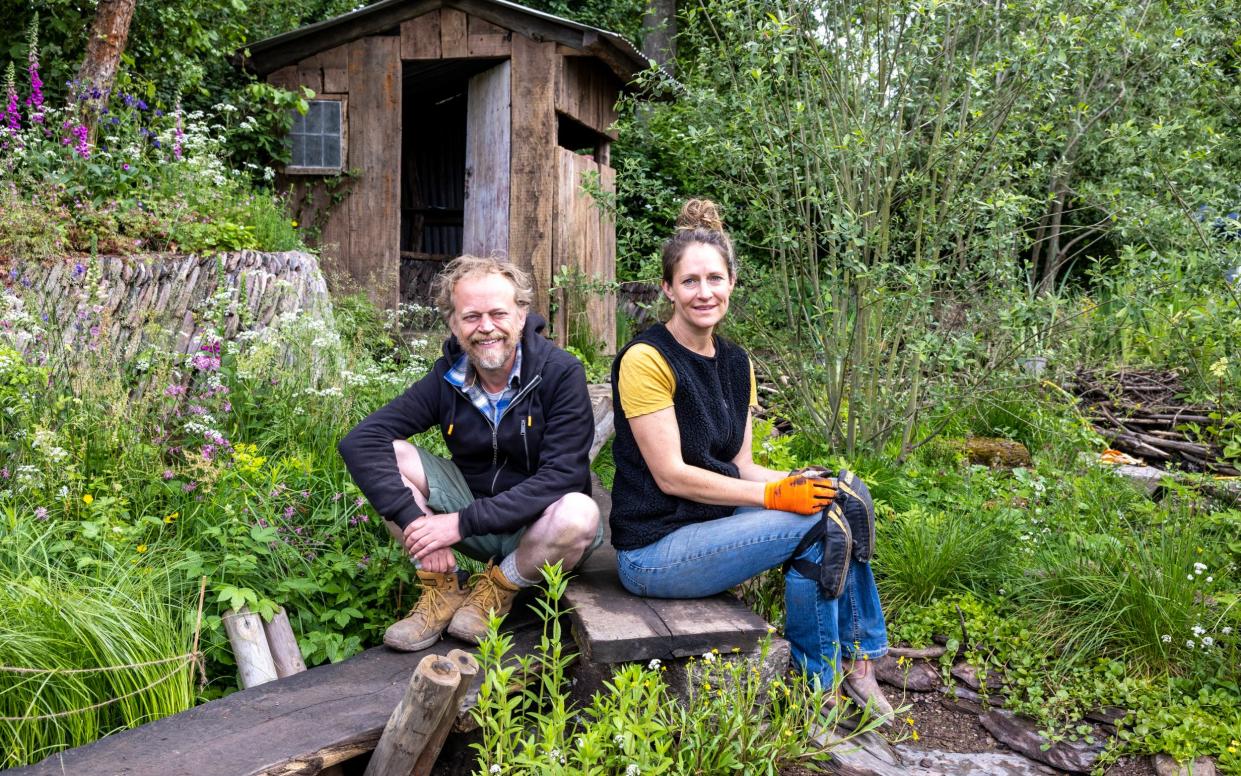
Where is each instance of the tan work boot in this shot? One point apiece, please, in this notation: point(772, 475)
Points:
point(442, 595)
point(861, 685)
point(490, 592)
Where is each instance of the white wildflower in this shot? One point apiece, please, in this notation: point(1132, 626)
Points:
point(1198, 630)
point(708, 657)
point(1226, 630)
point(1200, 567)
point(632, 770)
point(653, 665)
point(1207, 641)
point(618, 739)
point(1166, 639)
point(495, 768)
point(1189, 643)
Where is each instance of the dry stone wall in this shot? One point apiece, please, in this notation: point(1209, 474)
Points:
point(167, 301)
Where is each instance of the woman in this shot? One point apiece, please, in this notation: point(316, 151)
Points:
point(698, 516)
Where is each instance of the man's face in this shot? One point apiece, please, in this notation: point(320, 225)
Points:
point(486, 320)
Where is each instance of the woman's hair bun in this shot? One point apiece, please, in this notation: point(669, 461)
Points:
point(700, 214)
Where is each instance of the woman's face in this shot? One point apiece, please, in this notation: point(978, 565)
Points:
point(700, 287)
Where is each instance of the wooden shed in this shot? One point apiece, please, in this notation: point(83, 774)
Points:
point(442, 127)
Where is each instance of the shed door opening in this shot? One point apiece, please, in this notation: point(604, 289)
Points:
point(450, 112)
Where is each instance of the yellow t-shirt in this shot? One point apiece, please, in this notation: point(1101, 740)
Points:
point(647, 384)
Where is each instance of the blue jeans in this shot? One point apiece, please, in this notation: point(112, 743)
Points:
point(703, 559)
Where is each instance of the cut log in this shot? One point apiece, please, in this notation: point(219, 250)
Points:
point(467, 666)
point(995, 452)
point(427, 699)
point(254, 661)
point(285, 653)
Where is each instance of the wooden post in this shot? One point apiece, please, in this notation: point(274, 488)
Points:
point(254, 661)
point(285, 653)
point(414, 721)
point(468, 667)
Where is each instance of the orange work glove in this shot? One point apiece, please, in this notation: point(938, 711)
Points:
point(799, 494)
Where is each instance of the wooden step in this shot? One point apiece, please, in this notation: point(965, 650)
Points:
point(611, 625)
point(298, 725)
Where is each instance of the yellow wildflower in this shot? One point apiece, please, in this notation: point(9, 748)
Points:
point(142, 548)
point(87, 499)
point(172, 517)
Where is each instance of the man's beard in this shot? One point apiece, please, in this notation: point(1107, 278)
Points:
point(492, 358)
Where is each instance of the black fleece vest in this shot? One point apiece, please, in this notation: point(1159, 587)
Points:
point(712, 402)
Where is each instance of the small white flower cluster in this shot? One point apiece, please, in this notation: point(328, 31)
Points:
point(653, 665)
point(632, 770)
point(45, 442)
point(1199, 568)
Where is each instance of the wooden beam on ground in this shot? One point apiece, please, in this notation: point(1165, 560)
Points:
point(299, 725)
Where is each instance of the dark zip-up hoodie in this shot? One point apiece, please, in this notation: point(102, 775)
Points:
point(537, 453)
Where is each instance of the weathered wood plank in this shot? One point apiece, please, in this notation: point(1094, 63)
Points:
point(602, 308)
point(374, 99)
point(420, 36)
point(584, 239)
point(587, 92)
point(487, 144)
point(299, 725)
point(612, 626)
point(533, 162)
point(285, 77)
point(335, 63)
point(454, 35)
point(310, 73)
point(487, 40)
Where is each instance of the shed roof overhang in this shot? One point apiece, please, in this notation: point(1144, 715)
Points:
point(268, 55)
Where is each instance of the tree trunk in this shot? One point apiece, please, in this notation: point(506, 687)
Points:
point(105, 46)
point(659, 33)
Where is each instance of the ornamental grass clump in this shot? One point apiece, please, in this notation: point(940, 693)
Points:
point(85, 654)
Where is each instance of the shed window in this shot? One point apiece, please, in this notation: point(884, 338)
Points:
point(316, 139)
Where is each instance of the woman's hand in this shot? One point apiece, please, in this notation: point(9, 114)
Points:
point(799, 494)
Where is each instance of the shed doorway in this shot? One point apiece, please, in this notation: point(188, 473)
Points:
point(454, 166)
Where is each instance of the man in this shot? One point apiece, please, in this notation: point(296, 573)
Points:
point(514, 411)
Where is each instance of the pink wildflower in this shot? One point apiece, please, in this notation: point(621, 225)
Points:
point(35, 100)
point(81, 147)
point(41, 513)
point(288, 512)
point(12, 118)
point(178, 135)
point(169, 474)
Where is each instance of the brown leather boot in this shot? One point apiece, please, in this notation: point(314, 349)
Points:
point(442, 595)
point(861, 685)
point(489, 592)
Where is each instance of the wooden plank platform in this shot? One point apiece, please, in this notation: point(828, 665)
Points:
point(612, 625)
point(298, 725)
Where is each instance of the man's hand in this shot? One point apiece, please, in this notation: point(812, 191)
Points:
point(438, 562)
point(430, 533)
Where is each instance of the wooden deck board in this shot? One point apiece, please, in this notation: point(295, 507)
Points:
point(298, 725)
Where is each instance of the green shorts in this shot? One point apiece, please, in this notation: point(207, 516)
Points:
point(448, 492)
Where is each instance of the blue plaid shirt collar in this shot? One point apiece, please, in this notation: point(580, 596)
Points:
point(463, 376)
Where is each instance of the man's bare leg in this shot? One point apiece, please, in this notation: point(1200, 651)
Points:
point(562, 533)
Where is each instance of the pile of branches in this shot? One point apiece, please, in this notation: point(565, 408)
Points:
point(1142, 412)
